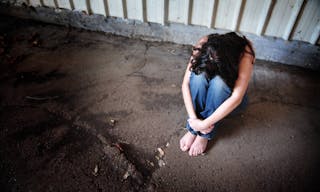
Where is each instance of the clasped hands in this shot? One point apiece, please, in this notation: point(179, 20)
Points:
point(200, 125)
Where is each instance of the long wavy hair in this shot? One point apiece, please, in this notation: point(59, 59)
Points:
point(221, 55)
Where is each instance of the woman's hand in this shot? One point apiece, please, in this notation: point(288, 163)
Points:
point(200, 125)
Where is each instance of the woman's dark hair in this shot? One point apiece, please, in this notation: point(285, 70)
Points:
point(221, 55)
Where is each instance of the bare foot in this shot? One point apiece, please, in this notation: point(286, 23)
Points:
point(198, 146)
point(186, 141)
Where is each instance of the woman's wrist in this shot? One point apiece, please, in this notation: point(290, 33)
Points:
point(193, 117)
point(207, 124)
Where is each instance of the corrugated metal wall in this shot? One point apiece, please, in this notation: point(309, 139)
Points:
point(287, 19)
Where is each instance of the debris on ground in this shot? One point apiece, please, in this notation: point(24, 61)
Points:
point(160, 157)
point(95, 171)
point(41, 98)
point(150, 163)
point(161, 152)
point(118, 146)
point(126, 175)
point(161, 163)
point(112, 122)
point(35, 39)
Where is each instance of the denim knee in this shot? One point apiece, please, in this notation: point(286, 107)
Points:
point(219, 86)
point(198, 81)
point(218, 91)
point(198, 90)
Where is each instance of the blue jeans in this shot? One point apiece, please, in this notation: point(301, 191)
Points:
point(207, 95)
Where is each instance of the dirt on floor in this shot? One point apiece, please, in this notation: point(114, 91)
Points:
point(88, 111)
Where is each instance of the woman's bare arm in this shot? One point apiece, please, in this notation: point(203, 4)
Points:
point(186, 93)
point(186, 86)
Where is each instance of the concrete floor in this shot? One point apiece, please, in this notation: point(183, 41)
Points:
point(86, 111)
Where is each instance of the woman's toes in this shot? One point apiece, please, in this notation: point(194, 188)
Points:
point(186, 141)
point(198, 146)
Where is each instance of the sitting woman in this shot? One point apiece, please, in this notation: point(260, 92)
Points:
point(214, 85)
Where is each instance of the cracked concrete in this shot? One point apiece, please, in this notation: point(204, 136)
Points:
point(85, 111)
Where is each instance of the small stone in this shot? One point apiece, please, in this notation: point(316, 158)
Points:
point(150, 163)
point(167, 144)
point(95, 171)
point(112, 122)
point(173, 52)
point(161, 152)
point(126, 175)
point(161, 163)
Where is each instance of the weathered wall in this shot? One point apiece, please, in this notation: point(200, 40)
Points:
point(285, 31)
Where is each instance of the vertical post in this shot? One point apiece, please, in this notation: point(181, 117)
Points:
point(144, 11)
point(124, 9)
point(238, 20)
point(214, 13)
point(89, 8)
point(166, 11)
point(72, 5)
point(106, 8)
point(236, 16)
point(189, 12)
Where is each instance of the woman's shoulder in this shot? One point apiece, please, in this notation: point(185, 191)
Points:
point(249, 53)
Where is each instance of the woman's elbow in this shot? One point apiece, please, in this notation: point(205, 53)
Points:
point(237, 99)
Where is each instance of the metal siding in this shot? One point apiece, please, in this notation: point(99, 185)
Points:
point(49, 3)
point(64, 4)
point(308, 25)
point(135, 9)
point(282, 18)
point(35, 3)
point(202, 12)
point(97, 7)
point(179, 11)
point(155, 11)
point(287, 19)
point(227, 14)
point(80, 5)
point(254, 16)
point(115, 8)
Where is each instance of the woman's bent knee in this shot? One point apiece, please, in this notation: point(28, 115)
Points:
point(198, 80)
point(218, 85)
